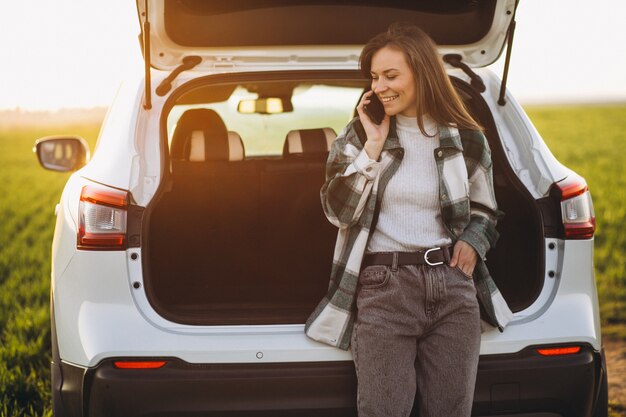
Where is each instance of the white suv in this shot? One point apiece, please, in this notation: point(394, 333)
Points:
point(191, 248)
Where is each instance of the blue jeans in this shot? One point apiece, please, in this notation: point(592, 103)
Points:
point(416, 338)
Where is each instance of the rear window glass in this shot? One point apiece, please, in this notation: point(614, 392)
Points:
point(315, 105)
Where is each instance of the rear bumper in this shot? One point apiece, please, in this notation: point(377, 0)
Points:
point(532, 384)
point(522, 384)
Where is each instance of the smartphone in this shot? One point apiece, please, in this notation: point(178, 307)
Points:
point(375, 109)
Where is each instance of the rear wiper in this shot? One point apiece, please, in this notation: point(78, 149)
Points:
point(455, 61)
point(188, 63)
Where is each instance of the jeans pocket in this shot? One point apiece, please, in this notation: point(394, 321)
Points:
point(460, 271)
point(374, 276)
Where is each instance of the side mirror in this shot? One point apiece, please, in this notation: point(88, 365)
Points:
point(62, 153)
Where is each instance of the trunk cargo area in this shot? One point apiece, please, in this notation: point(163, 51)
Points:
point(247, 242)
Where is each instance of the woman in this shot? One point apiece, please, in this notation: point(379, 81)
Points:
point(414, 203)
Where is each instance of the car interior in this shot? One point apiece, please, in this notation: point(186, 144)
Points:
point(233, 238)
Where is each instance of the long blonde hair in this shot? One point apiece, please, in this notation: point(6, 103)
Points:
point(436, 95)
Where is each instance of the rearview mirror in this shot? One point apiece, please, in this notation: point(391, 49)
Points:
point(62, 153)
point(265, 105)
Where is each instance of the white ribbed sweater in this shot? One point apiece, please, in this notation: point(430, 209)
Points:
point(410, 217)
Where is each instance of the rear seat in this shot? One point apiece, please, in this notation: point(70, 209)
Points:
point(246, 229)
point(215, 194)
point(293, 214)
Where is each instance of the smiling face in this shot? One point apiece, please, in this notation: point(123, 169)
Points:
point(393, 82)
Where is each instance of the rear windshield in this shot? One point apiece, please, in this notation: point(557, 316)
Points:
point(264, 113)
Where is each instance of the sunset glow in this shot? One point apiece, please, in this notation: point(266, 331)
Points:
point(71, 53)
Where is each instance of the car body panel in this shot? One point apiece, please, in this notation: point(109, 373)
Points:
point(324, 33)
point(100, 314)
point(112, 161)
point(530, 158)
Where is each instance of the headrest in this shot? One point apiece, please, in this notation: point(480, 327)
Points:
point(201, 135)
point(197, 147)
point(308, 141)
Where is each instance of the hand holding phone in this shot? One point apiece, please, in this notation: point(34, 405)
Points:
point(375, 122)
point(375, 109)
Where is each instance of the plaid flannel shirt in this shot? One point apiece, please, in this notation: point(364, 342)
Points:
point(351, 199)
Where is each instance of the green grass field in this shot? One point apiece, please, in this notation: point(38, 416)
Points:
point(28, 195)
point(590, 140)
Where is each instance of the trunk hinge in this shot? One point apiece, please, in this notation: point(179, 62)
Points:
point(509, 47)
point(146, 58)
point(475, 80)
point(188, 63)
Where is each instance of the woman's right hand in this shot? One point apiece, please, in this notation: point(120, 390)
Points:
point(376, 134)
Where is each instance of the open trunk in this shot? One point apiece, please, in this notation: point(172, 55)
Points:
point(247, 242)
point(255, 248)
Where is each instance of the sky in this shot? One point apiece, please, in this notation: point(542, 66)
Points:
point(75, 53)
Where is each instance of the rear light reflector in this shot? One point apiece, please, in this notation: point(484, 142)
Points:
point(579, 221)
point(104, 195)
point(139, 364)
point(102, 218)
point(567, 350)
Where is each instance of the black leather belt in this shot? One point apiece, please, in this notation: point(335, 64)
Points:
point(432, 257)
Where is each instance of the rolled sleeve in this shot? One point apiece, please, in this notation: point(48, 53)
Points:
point(350, 177)
point(366, 166)
point(480, 234)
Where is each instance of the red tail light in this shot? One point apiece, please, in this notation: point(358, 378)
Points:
point(139, 364)
point(579, 221)
point(102, 218)
point(567, 350)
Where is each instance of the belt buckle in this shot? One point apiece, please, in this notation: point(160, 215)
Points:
point(426, 257)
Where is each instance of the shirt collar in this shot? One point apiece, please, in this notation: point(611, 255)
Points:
point(392, 141)
point(449, 137)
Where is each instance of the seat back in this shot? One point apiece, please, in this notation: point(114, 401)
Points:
point(309, 143)
point(215, 193)
point(201, 145)
point(293, 215)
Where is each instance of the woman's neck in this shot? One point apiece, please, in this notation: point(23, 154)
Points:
point(410, 123)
